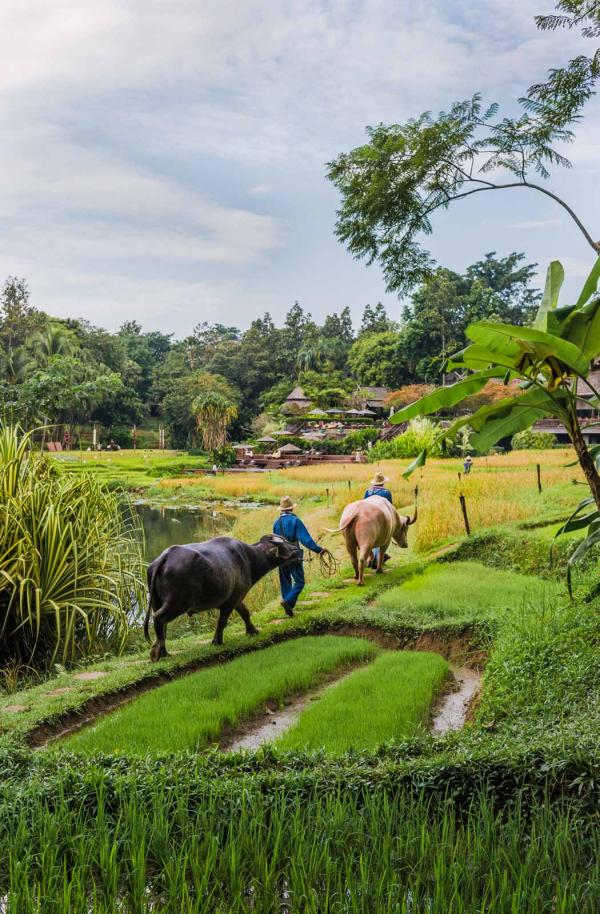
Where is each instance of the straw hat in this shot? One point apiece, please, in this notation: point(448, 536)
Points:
point(286, 504)
point(379, 479)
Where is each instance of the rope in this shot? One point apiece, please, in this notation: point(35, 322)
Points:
point(328, 563)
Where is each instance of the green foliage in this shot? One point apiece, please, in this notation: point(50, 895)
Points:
point(529, 440)
point(389, 699)
point(421, 434)
point(376, 359)
point(199, 706)
point(229, 848)
point(71, 574)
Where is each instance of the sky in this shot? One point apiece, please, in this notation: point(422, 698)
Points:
point(164, 160)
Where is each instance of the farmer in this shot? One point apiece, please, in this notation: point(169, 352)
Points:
point(467, 464)
point(378, 487)
point(291, 577)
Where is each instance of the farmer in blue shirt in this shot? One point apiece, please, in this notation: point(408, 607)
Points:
point(291, 577)
point(377, 487)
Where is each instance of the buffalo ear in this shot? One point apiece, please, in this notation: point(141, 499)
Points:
point(274, 551)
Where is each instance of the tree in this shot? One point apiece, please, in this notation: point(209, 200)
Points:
point(377, 359)
point(19, 320)
point(550, 359)
point(178, 408)
point(376, 320)
point(66, 391)
point(214, 413)
point(392, 186)
point(446, 303)
point(54, 340)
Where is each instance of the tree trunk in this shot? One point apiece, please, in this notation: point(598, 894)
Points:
point(586, 461)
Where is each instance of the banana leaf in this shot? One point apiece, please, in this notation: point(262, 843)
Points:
point(554, 280)
point(538, 345)
point(509, 416)
point(445, 397)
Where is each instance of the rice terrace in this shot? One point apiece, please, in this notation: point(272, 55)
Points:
point(300, 612)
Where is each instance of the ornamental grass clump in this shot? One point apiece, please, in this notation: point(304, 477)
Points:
point(71, 570)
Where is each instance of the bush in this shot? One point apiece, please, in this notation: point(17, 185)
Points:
point(420, 435)
point(71, 571)
point(528, 440)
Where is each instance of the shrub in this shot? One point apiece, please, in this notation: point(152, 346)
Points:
point(420, 435)
point(71, 572)
point(528, 440)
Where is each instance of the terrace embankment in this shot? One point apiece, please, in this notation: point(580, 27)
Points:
point(455, 647)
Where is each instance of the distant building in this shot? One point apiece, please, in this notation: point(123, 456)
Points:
point(297, 402)
point(373, 398)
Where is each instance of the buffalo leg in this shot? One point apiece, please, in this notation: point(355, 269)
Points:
point(221, 623)
point(380, 558)
point(351, 549)
point(242, 610)
point(159, 649)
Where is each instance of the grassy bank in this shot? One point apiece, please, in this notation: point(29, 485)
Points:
point(390, 699)
point(192, 712)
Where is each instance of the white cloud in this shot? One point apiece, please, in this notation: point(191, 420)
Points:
point(136, 134)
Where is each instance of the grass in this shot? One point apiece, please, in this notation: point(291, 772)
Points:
point(463, 593)
point(389, 699)
point(191, 712)
point(160, 846)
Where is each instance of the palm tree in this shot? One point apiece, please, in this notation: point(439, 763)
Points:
point(16, 365)
point(214, 413)
point(55, 340)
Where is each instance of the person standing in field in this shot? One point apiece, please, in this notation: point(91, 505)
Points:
point(291, 577)
point(467, 464)
point(378, 487)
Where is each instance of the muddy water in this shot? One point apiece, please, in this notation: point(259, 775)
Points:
point(277, 722)
point(451, 711)
point(449, 714)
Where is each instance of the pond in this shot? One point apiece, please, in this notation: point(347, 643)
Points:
point(164, 526)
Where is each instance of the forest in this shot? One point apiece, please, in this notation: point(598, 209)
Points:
point(68, 373)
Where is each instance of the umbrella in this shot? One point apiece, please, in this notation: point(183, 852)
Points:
point(317, 412)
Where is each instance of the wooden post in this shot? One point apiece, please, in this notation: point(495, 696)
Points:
point(134, 437)
point(349, 485)
point(539, 477)
point(463, 505)
point(459, 477)
point(327, 490)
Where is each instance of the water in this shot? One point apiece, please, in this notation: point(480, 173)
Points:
point(165, 527)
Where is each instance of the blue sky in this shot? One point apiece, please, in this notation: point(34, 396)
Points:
point(164, 161)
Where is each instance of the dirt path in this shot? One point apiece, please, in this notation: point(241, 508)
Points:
point(452, 709)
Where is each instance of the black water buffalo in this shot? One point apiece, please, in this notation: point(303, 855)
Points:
point(216, 574)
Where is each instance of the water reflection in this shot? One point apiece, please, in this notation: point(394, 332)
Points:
point(164, 526)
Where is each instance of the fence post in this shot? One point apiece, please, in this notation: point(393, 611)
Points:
point(459, 477)
point(463, 505)
point(327, 490)
point(349, 485)
point(539, 477)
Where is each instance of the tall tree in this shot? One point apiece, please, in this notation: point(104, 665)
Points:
point(376, 320)
point(392, 186)
point(19, 320)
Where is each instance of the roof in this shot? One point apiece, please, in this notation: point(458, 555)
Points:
point(584, 389)
point(374, 393)
point(296, 395)
point(290, 449)
point(267, 440)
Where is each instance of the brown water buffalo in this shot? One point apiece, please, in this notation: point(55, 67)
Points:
point(216, 574)
point(370, 523)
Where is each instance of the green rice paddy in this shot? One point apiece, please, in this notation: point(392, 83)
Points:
point(389, 699)
point(191, 712)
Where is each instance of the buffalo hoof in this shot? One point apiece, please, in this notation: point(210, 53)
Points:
point(157, 652)
point(252, 631)
point(218, 642)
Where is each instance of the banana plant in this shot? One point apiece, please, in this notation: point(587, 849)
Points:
point(547, 360)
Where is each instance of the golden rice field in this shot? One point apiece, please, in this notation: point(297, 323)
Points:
point(500, 489)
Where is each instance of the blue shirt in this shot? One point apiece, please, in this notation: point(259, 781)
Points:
point(292, 528)
point(379, 490)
